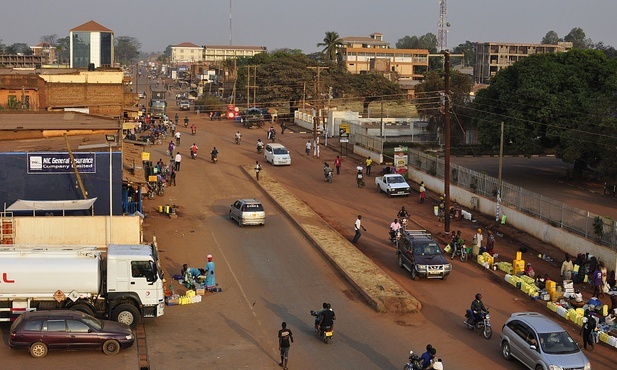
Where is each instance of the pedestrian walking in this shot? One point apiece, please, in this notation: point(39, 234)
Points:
point(285, 339)
point(308, 147)
point(476, 243)
point(210, 276)
point(173, 128)
point(422, 192)
point(170, 148)
point(177, 135)
point(283, 128)
point(177, 160)
point(337, 164)
point(357, 226)
point(257, 170)
point(368, 162)
point(589, 325)
point(597, 282)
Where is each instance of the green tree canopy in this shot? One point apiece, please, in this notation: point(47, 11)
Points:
point(427, 41)
point(578, 39)
point(332, 43)
point(564, 102)
point(551, 38)
point(127, 49)
point(468, 49)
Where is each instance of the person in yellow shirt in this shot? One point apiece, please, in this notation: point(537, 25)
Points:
point(368, 162)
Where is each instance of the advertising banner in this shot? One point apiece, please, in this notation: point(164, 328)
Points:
point(53, 163)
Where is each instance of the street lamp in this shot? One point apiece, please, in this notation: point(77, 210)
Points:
point(111, 139)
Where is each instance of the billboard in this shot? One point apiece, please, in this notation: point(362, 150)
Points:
point(51, 163)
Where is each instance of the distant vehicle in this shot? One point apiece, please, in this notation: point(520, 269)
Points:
point(142, 95)
point(420, 254)
point(392, 184)
point(247, 212)
point(277, 154)
point(539, 343)
point(41, 331)
point(158, 104)
point(184, 105)
point(263, 112)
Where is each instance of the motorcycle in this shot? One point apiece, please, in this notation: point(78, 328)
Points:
point(404, 223)
point(151, 190)
point(413, 363)
point(395, 237)
point(193, 131)
point(260, 149)
point(328, 175)
point(193, 154)
point(325, 333)
point(160, 188)
point(482, 323)
point(214, 158)
point(237, 139)
point(460, 251)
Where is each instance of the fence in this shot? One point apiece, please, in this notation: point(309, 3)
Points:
point(599, 229)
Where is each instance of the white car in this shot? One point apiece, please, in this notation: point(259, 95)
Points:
point(277, 154)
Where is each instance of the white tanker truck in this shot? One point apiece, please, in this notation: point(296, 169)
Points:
point(121, 282)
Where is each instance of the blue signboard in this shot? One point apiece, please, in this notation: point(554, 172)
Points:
point(50, 163)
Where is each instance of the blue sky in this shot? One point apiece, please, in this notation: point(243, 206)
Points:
point(302, 24)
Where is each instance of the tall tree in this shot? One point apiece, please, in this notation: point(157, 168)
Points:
point(468, 49)
point(427, 41)
point(19, 48)
point(372, 87)
point(429, 101)
point(127, 49)
point(50, 40)
point(551, 38)
point(578, 39)
point(63, 50)
point(563, 102)
point(608, 50)
point(332, 44)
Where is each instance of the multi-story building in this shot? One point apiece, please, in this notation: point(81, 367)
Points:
point(219, 53)
point(186, 52)
point(47, 51)
point(491, 57)
point(91, 44)
point(373, 54)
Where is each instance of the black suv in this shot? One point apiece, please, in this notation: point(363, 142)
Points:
point(419, 253)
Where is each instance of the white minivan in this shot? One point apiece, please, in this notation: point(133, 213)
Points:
point(277, 154)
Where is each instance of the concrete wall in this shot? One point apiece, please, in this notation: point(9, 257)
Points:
point(76, 230)
point(569, 243)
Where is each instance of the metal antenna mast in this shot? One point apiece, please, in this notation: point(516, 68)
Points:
point(230, 29)
point(442, 34)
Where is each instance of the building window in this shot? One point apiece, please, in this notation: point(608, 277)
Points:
point(81, 49)
point(106, 48)
point(12, 102)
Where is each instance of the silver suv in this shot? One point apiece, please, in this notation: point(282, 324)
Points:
point(540, 344)
point(247, 212)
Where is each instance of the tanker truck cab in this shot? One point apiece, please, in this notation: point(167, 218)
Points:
point(134, 283)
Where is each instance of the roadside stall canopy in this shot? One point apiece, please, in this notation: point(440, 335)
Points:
point(33, 206)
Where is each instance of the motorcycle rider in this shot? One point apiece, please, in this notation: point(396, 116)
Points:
point(193, 129)
point(214, 154)
point(428, 357)
point(477, 309)
point(326, 317)
point(260, 146)
point(318, 315)
point(402, 213)
point(176, 119)
point(395, 226)
point(327, 170)
point(186, 121)
point(194, 150)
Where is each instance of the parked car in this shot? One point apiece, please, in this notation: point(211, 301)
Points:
point(539, 343)
point(420, 254)
point(392, 184)
point(41, 331)
point(277, 154)
point(247, 212)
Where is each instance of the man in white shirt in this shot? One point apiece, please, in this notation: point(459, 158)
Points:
point(357, 227)
point(177, 161)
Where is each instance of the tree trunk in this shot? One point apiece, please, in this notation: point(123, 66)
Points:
point(577, 170)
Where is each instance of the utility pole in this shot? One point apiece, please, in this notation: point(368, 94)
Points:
point(498, 208)
point(447, 141)
point(318, 103)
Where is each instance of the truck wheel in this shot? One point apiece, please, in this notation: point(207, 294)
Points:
point(38, 350)
point(81, 307)
point(389, 193)
point(111, 347)
point(126, 314)
point(378, 189)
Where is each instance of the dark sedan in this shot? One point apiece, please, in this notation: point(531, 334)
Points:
point(41, 331)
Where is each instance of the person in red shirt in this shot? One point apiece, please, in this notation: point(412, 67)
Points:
point(337, 164)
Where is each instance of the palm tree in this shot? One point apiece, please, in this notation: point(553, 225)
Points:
point(332, 44)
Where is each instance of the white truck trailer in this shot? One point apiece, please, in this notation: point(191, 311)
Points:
point(120, 282)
